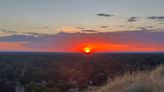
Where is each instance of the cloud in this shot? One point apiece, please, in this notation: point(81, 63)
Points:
point(146, 27)
point(82, 28)
point(104, 15)
point(132, 19)
point(43, 27)
point(18, 38)
point(158, 18)
point(33, 34)
point(103, 27)
point(141, 40)
point(131, 26)
point(143, 28)
point(8, 32)
point(69, 29)
point(120, 25)
point(149, 26)
point(89, 31)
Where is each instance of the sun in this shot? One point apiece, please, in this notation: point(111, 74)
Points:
point(88, 49)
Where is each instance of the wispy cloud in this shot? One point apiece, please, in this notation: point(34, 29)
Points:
point(104, 15)
point(70, 29)
point(132, 19)
point(89, 31)
point(149, 26)
point(103, 27)
point(41, 27)
point(146, 27)
point(82, 28)
point(18, 38)
point(120, 25)
point(33, 34)
point(143, 28)
point(8, 31)
point(158, 18)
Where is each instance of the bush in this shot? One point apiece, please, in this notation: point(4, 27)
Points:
point(137, 82)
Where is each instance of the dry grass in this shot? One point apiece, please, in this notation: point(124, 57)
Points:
point(138, 82)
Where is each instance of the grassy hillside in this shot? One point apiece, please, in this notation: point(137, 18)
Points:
point(147, 81)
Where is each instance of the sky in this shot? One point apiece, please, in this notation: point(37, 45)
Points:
point(70, 25)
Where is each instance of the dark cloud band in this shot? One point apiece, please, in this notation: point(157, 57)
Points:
point(159, 18)
point(104, 15)
point(132, 19)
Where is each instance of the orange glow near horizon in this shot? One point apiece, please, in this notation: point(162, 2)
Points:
point(89, 48)
point(13, 46)
point(85, 47)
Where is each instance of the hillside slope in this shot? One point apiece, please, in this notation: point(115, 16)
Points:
point(137, 82)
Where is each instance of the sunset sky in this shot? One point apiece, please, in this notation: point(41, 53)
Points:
point(71, 25)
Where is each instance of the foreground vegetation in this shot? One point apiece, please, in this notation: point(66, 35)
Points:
point(137, 82)
point(63, 72)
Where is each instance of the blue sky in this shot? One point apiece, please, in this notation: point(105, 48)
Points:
point(22, 15)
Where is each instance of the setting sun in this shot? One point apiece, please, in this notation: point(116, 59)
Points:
point(88, 49)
